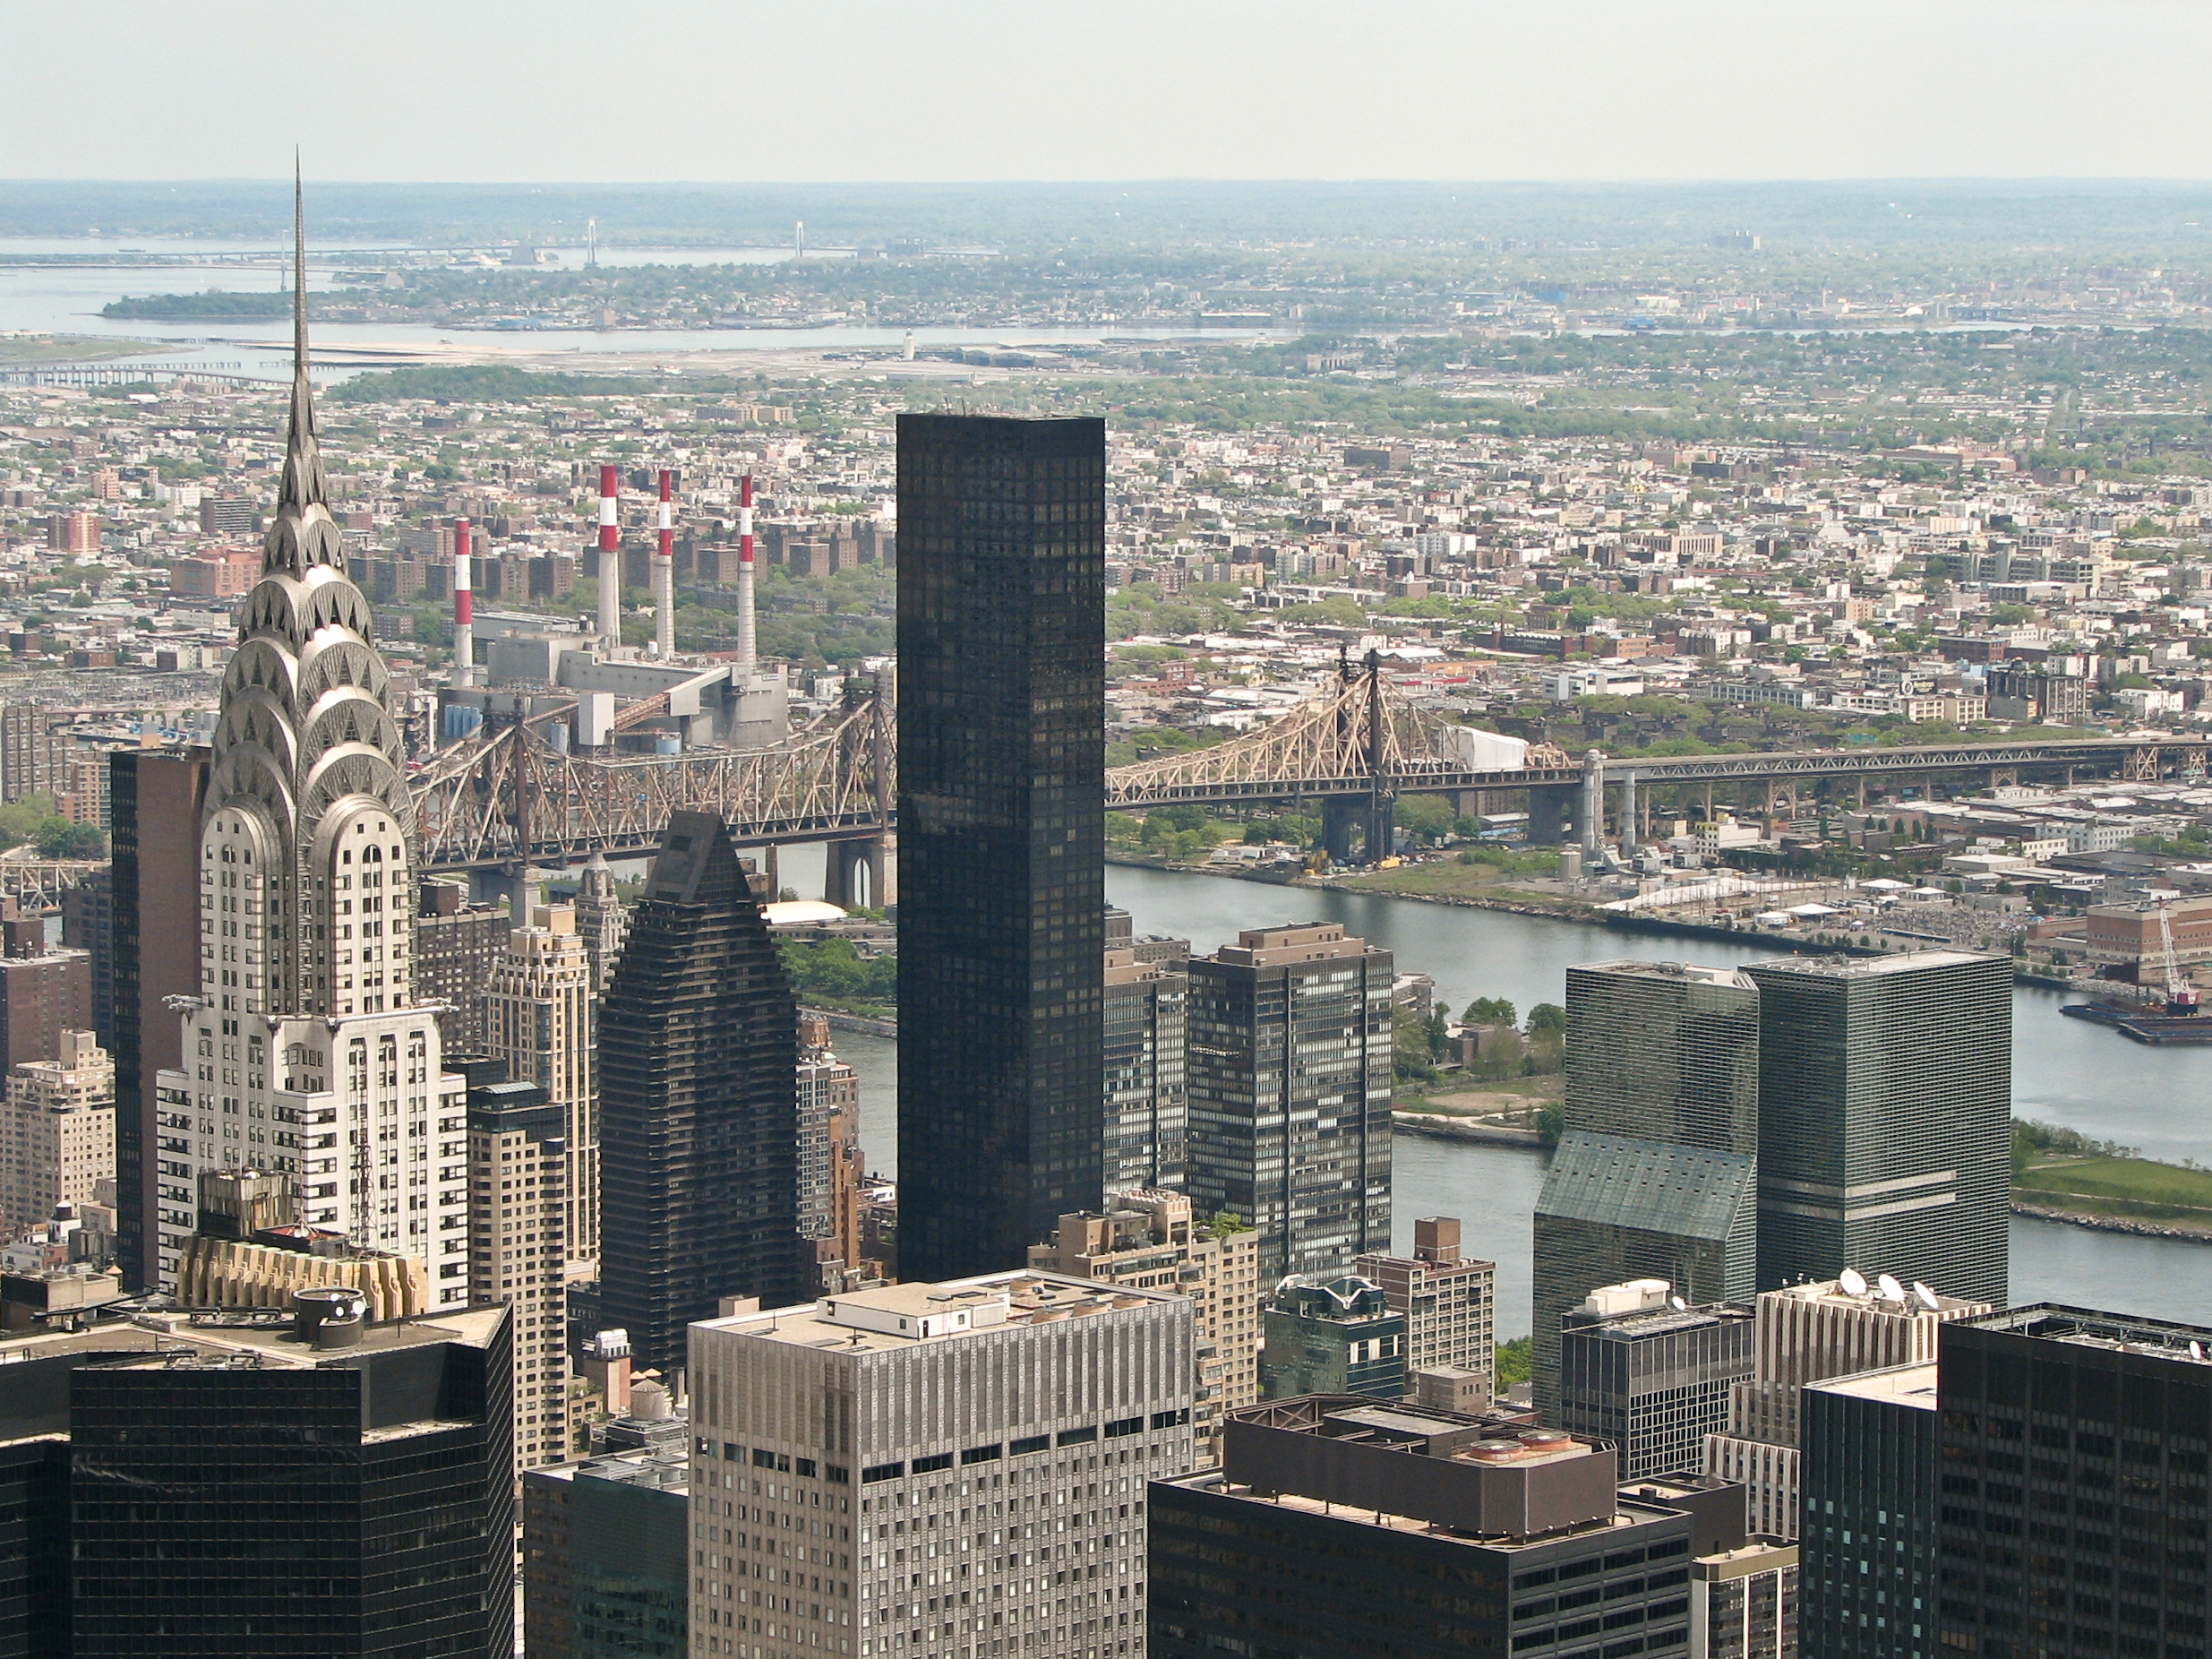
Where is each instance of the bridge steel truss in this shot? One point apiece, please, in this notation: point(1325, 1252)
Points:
point(514, 797)
point(507, 797)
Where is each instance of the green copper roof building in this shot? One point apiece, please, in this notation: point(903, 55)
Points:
point(1656, 1173)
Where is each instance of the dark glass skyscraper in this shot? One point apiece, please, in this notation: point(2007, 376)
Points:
point(155, 953)
point(1868, 1529)
point(1001, 822)
point(255, 1494)
point(1885, 1104)
point(698, 1103)
point(1656, 1174)
point(2072, 1453)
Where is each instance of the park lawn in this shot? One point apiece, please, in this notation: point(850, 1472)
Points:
point(2136, 1188)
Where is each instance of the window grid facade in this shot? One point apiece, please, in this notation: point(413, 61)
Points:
point(1001, 690)
point(1290, 1091)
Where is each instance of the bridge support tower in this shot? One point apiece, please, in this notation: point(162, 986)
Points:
point(860, 873)
point(1551, 810)
point(1341, 817)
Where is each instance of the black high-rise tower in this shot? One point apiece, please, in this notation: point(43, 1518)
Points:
point(1001, 816)
point(698, 1103)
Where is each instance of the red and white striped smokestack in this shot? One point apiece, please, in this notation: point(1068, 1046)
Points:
point(664, 576)
point(746, 656)
point(463, 616)
point(610, 563)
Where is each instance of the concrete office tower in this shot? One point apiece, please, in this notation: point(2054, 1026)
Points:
point(607, 1558)
point(348, 1491)
point(1146, 1008)
point(307, 1054)
point(156, 885)
point(458, 943)
point(1867, 1504)
point(44, 994)
point(59, 1144)
point(1653, 1379)
point(537, 1022)
point(602, 920)
point(2054, 1412)
point(516, 1223)
point(1290, 1093)
point(829, 1158)
point(1656, 1173)
point(1149, 1240)
point(1001, 824)
point(1808, 1334)
point(1744, 1602)
point(1344, 1529)
point(697, 1098)
point(1885, 1103)
point(872, 1430)
point(1332, 1336)
point(1449, 1302)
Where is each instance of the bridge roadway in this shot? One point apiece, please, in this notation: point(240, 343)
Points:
point(618, 806)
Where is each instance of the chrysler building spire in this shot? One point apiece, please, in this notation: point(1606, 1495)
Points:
point(308, 1055)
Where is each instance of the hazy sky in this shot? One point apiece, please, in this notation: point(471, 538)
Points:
point(957, 90)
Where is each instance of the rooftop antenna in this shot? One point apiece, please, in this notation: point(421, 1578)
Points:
point(1851, 1282)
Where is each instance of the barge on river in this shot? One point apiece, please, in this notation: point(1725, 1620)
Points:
point(2144, 1023)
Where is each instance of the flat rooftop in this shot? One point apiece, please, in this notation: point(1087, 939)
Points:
point(2191, 1344)
point(263, 1335)
point(1694, 972)
point(898, 1315)
point(1901, 1385)
point(1664, 1321)
point(1869, 966)
point(1628, 1513)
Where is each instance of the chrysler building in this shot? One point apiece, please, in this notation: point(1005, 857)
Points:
point(306, 1058)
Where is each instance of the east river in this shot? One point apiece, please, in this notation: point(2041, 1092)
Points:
point(2063, 1072)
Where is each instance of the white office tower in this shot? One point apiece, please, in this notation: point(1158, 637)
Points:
point(1811, 1333)
point(305, 1056)
point(58, 1145)
point(949, 1471)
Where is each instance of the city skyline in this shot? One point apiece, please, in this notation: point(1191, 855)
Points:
point(1082, 695)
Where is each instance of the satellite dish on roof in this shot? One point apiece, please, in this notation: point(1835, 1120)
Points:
point(1676, 1303)
point(1888, 1288)
point(1853, 1281)
point(2195, 1350)
point(1926, 1297)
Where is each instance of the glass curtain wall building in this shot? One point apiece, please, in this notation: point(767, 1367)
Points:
point(1656, 1173)
point(1885, 1106)
point(1001, 706)
point(1290, 1093)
